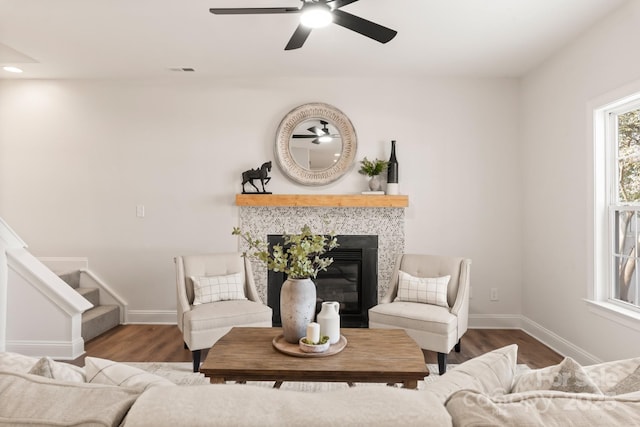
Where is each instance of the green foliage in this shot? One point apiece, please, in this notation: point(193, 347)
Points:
point(302, 257)
point(372, 168)
point(323, 340)
point(629, 156)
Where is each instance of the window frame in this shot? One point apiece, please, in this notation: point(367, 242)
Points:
point(605, 204)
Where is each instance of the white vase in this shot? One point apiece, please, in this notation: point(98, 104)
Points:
point(329, 320)
point(297, 308)
point(375, 183)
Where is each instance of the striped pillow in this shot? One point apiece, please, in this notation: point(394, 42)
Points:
point(208, 289)
point(426, 290)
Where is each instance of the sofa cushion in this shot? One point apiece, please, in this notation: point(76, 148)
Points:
point(208, 289)
point(223, 314)
point(413, 315)
point(425, 290)
point(246, 405)
point(542, 409)
point(38, 401)
point(103, 371)
point(47, 367)
point(15, 362)
point(567, 376)
point(491, 373)
point(616, 377)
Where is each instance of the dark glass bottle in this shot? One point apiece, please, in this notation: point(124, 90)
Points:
point(392, 168)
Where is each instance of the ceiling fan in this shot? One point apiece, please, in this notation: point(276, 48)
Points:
point(315, 14)
point(320, 135)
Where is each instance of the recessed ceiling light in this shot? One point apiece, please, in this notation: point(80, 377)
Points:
point(12, 69)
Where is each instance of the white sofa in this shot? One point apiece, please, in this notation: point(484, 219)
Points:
point(476, 393)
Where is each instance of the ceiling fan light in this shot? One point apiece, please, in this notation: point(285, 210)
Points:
point(316, 16)
point(325, 138)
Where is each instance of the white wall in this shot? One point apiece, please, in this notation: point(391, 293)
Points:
point(4, 277)
point(76, 157)
point(556, 150)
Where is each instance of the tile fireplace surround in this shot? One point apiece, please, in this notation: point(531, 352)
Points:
point(385, 222)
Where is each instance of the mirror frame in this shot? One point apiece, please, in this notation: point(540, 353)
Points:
point(315, 110)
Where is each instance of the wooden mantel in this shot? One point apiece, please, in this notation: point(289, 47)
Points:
point(323, 200)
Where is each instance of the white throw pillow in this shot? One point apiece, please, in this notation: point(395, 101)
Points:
point(47, 367)
point(630, 384)
point(542, 408)
point(32, 400)
point(490, 373)
point(208, 289)
point(567, 376)
point(616, 377)
point(102, 371)
point(16, 362)
point(426, 290)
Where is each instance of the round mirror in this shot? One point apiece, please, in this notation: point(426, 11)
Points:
point(315, 144)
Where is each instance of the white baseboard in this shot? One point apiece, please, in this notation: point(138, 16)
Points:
point(557, 343)
point(495, 321)
point(159, 317)
point(537, 331)
point(61, 350)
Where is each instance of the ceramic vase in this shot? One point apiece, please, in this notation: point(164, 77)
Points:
point(375, 183)
point(297, 308)
point(392, 171)
point(329, 320)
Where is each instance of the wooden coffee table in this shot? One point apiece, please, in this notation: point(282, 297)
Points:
point(371, 356)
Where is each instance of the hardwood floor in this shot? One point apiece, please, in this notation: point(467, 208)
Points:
point(163, 343)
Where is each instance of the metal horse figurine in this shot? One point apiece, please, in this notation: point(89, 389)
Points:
point(261, 174)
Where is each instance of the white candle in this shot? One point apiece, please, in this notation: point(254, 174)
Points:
point(313, 332)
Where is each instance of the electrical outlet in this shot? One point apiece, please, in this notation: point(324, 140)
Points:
point(494, 294)
point(140, 211)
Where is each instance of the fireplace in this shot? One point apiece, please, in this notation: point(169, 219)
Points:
point(352, 280)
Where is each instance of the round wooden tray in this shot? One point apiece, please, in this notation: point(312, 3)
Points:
point(294, 349)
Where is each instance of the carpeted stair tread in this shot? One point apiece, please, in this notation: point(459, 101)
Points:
point(99, 320)
point(72, 278)
point(90, 294)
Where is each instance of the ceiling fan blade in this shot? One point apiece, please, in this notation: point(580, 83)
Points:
point(304, 136)
point(366, 28)
point(339, 3)
point(298, 38)
point(252, 10)
point(316, 130)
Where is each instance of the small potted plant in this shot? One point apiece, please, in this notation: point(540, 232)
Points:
point(373, 168)
point(300, 259)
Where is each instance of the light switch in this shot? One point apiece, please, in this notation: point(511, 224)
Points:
point(140, 211)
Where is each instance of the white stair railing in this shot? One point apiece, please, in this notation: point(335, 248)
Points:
point(8, 239)
point(88, 279)
point(44, 314)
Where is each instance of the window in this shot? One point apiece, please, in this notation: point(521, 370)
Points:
point(619, 178)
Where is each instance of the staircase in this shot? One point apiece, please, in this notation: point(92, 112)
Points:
point(98, 319)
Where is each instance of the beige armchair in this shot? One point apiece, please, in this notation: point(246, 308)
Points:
point(433, 327)
point(204, 324)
